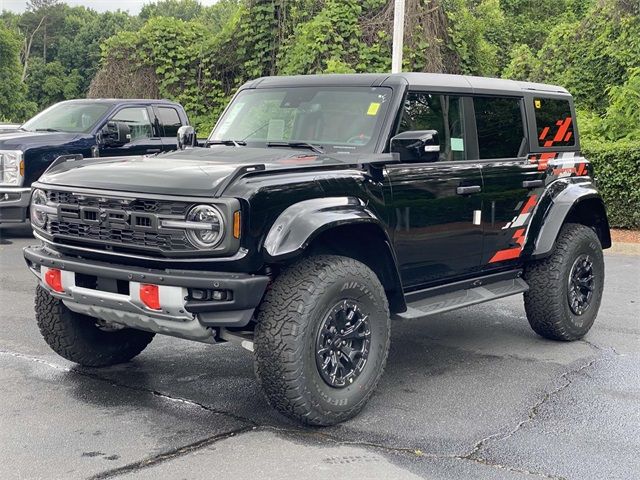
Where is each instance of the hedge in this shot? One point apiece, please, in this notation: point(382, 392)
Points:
point(617, 169)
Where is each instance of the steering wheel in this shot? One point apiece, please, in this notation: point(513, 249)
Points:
point(359, 139)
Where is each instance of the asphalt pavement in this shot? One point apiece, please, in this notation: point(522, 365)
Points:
point(468, 394)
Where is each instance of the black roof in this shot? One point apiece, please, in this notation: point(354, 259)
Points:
point(431, 81)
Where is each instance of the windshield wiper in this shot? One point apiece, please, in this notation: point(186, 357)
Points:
point(46, 130)
point(235, 143)
point(306, 145)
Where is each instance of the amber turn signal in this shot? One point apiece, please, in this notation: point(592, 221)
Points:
point(236, 224)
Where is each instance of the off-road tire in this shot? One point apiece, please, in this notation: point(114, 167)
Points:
point(289, 319)
point(546, 303)
point(77, 338)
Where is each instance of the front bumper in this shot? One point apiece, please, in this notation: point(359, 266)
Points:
point(14, 204)
point(112, 293)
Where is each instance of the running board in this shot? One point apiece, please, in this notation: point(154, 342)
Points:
point(462, 294)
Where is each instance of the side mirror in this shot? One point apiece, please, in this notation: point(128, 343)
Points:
point(186, 137)
point(115, 134)
point(417, 146)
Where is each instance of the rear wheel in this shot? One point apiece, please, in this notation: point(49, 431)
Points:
point(82, 339)
point(322, 339)
point(566, 288)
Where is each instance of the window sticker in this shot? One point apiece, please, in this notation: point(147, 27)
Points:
point(373, 108)
point(457, 145)
point(537, 103)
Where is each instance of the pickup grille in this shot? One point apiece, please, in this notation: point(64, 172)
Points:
point(116, 224)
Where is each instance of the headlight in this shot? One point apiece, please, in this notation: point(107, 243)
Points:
point(11, 168)
point(205, 226)
point(39, 208)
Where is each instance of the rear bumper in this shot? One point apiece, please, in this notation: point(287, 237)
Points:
point(14, 203)
point(115, 296)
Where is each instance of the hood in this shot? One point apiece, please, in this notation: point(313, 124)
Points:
point(197, 171)
point(23, 140)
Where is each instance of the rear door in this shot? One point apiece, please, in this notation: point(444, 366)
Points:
point(511, 182)
point(436, 235)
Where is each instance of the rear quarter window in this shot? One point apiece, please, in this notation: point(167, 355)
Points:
point(554, 122)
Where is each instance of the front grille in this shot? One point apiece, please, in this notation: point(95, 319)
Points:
point(116, 224)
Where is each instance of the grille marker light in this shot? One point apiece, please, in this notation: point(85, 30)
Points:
point(150, 295)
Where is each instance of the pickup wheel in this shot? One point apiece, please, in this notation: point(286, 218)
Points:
point(565, 289)
point(79, 338)
point(322, 339)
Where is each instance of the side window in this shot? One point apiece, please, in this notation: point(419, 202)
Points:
point(500, 126)
point(170, 121)
point(443, 113)
point(553, 122)
point(138, 120)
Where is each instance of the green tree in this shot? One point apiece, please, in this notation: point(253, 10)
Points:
point(13, 103)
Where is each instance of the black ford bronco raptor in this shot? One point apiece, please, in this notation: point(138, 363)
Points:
point(320, 209)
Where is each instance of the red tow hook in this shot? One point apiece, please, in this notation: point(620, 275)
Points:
point(150, 295)
point(53, 278)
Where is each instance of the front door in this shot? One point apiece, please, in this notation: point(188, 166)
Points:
point(435, 206)
point(144, 138)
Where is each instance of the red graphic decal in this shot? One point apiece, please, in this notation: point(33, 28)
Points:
point(544, 132)
point(531, 202)
point(506, 254)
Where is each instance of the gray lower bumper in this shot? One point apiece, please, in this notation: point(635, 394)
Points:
point(14, 203)
point(179, 316)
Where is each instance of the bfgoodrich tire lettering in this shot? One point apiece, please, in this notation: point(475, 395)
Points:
point(77, 338)
point(547, 302)
point(289, 319)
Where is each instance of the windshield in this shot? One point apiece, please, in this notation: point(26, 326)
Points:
point(336, 119)
point(68, 117)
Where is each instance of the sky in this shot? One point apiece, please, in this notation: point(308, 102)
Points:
point(132, 6)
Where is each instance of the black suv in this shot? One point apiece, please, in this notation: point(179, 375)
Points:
point(321, 209)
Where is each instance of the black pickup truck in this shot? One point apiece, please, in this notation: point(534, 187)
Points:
point(92, 128)
point(321, 209)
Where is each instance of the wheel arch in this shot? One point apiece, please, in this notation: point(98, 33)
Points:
point(341, 226)
point(576, 203)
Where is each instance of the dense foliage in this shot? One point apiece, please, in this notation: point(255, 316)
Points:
point(199, 55)
point(617, 168)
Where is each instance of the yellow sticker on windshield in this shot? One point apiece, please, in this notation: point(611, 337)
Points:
point(373, 108)
point(537, 103)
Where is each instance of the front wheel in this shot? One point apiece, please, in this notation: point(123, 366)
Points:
point(322, 339)
point(565, 289)
point(81, 339)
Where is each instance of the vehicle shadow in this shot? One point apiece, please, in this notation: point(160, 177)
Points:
point(440, 375)
point(7, 234)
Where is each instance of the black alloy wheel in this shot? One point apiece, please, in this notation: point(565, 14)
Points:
point(581, 284)
point(343, 344)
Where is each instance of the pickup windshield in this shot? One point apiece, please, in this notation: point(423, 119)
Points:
point(330, 119)
point(75, 117)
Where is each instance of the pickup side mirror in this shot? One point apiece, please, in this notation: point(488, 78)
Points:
point(115, 134)
point(417, 146)
point(187, 137)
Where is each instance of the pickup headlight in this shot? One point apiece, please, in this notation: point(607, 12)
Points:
point(11, 168)
point(39, 208)
point(204, 226)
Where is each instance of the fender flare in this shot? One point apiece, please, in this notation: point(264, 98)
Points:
point(300, 223)
point(563, 197)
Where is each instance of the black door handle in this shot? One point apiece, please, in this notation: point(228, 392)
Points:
point(468, 190)
point(533, 183)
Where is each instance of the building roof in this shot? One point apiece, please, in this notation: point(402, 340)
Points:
point(431, 81)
